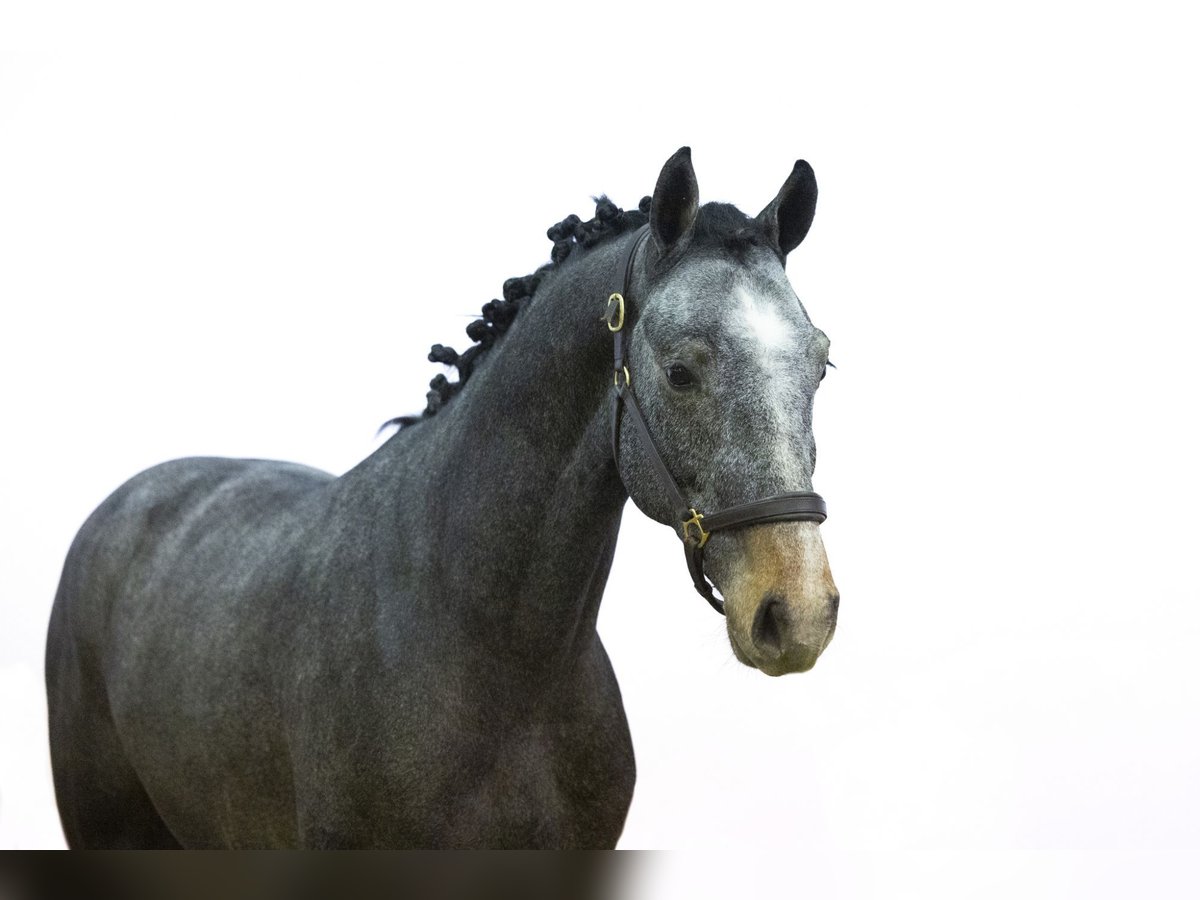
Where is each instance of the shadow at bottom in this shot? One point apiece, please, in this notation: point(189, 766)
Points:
point(269, 875)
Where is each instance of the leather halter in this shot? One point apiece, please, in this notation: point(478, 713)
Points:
point(694, 526)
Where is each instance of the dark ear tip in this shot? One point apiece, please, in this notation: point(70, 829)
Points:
point(802, 168)
point(682, 153)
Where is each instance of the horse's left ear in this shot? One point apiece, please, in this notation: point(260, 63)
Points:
point(787, 218)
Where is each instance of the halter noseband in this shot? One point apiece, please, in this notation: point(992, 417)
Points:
point(694, 526)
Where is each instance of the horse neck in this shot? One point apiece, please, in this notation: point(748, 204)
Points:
point(517, 502)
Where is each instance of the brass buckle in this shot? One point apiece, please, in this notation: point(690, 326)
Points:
point(694, 520)
point(614, 312)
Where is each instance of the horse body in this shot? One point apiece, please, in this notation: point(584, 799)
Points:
point(248, 653)
point(405, 656)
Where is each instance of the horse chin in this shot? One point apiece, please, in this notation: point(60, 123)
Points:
point(795, 659)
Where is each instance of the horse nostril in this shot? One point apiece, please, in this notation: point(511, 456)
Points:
point(835, 600)
point(769, 622)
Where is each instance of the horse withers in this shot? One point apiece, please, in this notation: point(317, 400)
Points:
point(246, 653)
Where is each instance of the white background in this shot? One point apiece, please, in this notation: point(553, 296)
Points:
point(236, 231)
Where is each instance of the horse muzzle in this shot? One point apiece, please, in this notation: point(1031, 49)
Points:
point(781, 603)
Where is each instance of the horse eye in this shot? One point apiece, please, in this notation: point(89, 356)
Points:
point(678, 375)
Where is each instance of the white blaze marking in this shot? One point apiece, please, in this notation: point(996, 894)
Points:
point(770, 332)
point(763, 322)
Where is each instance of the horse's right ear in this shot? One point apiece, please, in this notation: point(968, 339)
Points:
point(676, 199)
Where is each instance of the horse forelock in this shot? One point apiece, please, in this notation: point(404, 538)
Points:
point(722, 226)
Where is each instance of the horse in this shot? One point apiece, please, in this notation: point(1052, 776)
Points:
point(256, 654)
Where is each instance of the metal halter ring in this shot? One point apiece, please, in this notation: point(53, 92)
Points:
point(617, 377)
point(614, 313)
point(694, 520)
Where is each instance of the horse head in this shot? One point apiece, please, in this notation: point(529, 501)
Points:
point(725, 364)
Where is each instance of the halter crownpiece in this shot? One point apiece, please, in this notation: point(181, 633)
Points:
point(695, 527)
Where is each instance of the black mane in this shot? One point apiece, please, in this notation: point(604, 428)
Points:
point(718, 225)
point(571, 235)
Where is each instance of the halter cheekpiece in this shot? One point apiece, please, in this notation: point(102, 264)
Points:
point(694, 526)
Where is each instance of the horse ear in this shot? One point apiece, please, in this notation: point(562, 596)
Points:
point(676, 199)
point(787, 218)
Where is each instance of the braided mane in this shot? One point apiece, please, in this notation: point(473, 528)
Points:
point(571, 235)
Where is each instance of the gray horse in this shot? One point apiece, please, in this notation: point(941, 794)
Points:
point(246, 653)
